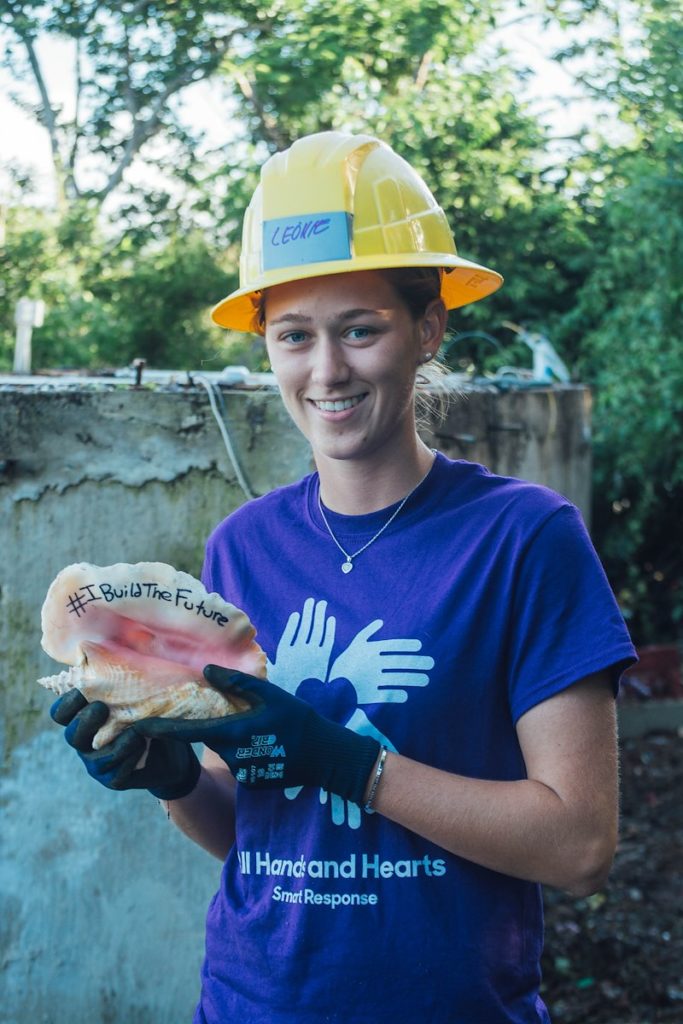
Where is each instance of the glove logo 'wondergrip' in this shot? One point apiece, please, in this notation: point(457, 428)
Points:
point(261, 746)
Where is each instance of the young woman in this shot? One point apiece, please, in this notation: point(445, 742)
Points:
point(437, 733)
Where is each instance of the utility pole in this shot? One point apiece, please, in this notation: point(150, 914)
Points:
point(29, 313)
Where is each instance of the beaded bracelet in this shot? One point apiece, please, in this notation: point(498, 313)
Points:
point(375, 782)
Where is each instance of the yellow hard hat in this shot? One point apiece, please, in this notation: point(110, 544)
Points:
point(334, 203)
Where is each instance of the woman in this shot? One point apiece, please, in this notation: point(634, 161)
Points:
point(437, 733)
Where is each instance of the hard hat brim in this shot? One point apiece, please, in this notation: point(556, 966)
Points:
point(462, 282)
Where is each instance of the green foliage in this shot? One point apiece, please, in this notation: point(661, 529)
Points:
point(314, 69)
point(627, 323)
point(29, 254)
point(159, 304)
point(630, 314)
point(451, 108)
point(475, 143)
point(109, 303)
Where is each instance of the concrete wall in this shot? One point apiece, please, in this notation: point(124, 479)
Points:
point(103, 902)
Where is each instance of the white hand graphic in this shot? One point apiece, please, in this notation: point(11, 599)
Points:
point(343, 810)
point(305, 648)
point(381, 670)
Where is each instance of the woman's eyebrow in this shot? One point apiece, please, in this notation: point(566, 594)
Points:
point(301, 318)
point(292, 318)
point(351, 314)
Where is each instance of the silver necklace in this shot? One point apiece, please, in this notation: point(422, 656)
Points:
point(347, 565)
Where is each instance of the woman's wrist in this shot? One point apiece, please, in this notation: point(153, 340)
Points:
point(374, 779)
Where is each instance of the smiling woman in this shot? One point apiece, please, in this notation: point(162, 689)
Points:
point(345, 350)
point(416, 288)
point(438, 717)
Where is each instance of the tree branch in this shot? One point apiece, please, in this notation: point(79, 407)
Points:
point(423, 71)
point(528, 16)
point(46, 113)
point(145, 129)
point(73, 153)
point(268, 123)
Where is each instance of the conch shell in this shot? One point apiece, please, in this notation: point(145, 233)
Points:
point(138, 638)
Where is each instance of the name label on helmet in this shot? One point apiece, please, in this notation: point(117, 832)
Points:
point(308, 238)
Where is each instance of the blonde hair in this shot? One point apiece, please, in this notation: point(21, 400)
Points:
point(417, 288)
point(433, 396)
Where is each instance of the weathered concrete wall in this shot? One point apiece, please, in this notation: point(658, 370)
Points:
point(541, 434)
point(103, 902)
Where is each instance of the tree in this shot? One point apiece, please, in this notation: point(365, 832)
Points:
point(449, 101)
point(293, 67)
point(627, 321)
point(109, 300)
point(132, 62)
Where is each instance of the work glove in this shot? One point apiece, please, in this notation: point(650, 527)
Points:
point(171, 768)
point(280, 742)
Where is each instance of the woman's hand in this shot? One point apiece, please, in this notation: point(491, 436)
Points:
point(169, 770)
point(281, 742)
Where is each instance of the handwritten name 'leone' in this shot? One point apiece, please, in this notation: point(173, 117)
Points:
point(299, 230)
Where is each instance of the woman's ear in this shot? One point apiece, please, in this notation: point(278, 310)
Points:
point(432, 329)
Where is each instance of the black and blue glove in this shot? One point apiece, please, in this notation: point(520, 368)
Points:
point(280, 742)
point(170, 770)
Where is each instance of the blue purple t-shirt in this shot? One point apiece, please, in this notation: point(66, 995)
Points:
point(483, 598)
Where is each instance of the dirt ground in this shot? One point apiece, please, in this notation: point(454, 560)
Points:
point(617, 957)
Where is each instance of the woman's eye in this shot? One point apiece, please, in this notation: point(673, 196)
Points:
point(294, 337)
point(359, 333)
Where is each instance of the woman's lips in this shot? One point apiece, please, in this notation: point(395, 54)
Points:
point(336, 406)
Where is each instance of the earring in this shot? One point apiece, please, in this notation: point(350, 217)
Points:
point(427, 356)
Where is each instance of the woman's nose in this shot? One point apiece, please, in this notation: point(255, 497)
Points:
point(329, 363)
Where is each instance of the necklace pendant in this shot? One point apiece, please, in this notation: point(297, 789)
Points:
point(347, 566)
